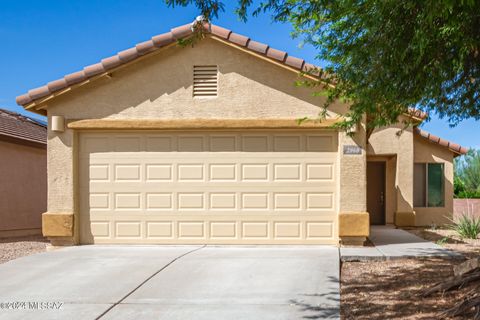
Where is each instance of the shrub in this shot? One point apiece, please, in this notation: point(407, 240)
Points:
point(467, 226)
point(466, 183)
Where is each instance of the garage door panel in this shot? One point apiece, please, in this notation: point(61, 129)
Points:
point(211, 142)
point(214, 230)
point(208, 187)
point(191, 199)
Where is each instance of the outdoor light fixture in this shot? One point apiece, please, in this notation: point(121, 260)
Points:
point(58, 124)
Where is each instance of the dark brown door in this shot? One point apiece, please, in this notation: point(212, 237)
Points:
point(376, 192)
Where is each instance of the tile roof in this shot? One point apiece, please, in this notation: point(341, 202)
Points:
point(432, 138)
point(15, 125)
point(417, 113)
point(156, 43)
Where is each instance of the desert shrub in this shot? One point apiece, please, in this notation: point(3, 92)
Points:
point(467, 226)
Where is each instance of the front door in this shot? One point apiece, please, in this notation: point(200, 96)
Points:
point(376, 192)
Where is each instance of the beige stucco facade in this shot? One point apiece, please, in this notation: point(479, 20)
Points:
point(23, 187)
point(426, 152)
point(400, 148)
point(160, 88)
point(394, 145)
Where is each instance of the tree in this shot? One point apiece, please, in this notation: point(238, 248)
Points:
point(467, 175)
point(385, 56)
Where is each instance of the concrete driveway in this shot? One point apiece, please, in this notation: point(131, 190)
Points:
point(173, 282)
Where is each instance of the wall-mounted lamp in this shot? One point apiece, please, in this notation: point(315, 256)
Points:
point(58, 123)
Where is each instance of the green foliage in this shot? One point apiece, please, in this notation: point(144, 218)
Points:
point(467, 175)
point(208, 8)
point(467, 226)
point(386, 56)
point(443, 241)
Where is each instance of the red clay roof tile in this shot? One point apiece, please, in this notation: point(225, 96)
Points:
point(276, 54)
point(434, 138)
point(145, 47)
point(150, 45)
point(238, 39)
point(257, 46)
point(57, 85)
point(182, 31)
point(295, 62)
point(444, 143)
point(93, 70)
point(417, 113)
point(454, 146)
point(23, 99)
point(129, 54)
point(38, 92)
point(111, 62)
point(163, 39)
point(220, 32)
point(75, 77)
point(311, 69)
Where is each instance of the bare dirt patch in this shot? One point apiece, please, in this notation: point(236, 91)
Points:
point(13, 248)
point(391, 289)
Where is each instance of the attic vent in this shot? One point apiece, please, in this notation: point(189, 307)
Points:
point(205, 81)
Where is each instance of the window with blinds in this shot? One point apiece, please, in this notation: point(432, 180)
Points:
point(205, 81)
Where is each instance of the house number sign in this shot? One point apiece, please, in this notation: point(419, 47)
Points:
point(352, 149)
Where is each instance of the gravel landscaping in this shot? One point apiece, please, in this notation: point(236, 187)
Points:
point(391, 289)
point(13, 248)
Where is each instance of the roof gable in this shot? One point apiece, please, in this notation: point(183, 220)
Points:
point(455, 148)
point(37, 96)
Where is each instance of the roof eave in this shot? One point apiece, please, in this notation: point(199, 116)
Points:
point(457, 149)
point(36, 98)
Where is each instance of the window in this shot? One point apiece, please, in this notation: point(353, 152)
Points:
point(428, 185)
point(205, 81)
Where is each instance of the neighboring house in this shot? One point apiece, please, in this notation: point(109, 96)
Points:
point(174, 144)
point(23, 174)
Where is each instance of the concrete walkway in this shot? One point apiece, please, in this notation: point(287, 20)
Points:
point(390, 243)
point(173, 282)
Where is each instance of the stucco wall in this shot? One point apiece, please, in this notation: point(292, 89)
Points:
point(467, 207)
point(426, 151)
point(353, 173)
point(397, 143)
point(23, 186)
point(160, 87)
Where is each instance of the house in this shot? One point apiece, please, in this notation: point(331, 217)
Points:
point(172, 144)
point(23, 174)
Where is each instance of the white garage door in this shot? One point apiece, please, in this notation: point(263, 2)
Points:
point(208, 187)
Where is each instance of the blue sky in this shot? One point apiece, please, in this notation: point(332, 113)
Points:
point(44, 40)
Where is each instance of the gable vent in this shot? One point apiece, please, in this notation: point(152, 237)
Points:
point(205, 81)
